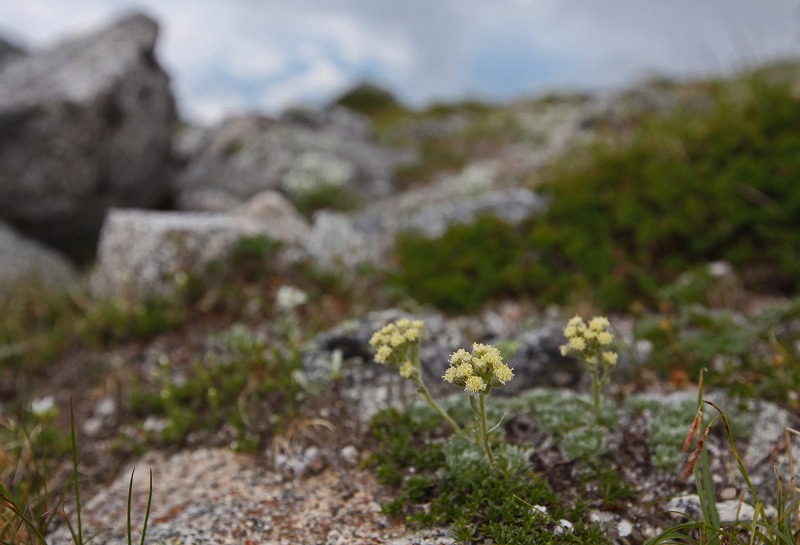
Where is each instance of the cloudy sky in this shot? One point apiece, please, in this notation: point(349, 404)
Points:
point(240, 55)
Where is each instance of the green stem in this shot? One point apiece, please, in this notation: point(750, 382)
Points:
point(596, 394)
point(74, 445)
point(432, 402)
point(485, 431)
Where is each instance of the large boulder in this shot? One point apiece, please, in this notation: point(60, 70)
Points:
point(145, 254)
point(283, 222)
point(25, 262)
point(84, 126)
point(300, 154)
point(8, 51)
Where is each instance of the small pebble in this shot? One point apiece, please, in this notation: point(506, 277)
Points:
point(350, 455)
point(562, 526)
point(624, 528)
point(727, 493)
point(105, 407)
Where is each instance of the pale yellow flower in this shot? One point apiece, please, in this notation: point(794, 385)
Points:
point(610, 358)
point(599, 323)
point(407, 369)
point(479, 365)
point(575, 321)
point(396, 340)
point(604, 338)
point(464, 371)
point(376, 339)
point(577, 343)
point(383, 354)
point(459, 356)
point(474, 385)
point(503, 373)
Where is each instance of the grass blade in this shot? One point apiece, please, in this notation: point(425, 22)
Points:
point(147, 512)
point(76, 486)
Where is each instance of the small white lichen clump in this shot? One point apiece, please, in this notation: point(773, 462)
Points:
point(289, 297)
point(397, 346)
point(479, 371)
point(590, 342)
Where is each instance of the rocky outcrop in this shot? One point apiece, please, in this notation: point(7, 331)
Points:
point(282, 220)
point(298, 154)
point(536, 358)
point(84, 126)
point(24, 262)
point(8, 52)
point(249, 504)
point(144, 254)
point(341, 241)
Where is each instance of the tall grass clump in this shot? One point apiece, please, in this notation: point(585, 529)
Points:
point(783, 528)
point(29, 499)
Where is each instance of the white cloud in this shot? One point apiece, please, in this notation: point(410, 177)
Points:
point(215, 106)
point(267, 53)
point(319, 80)
point(253, 60)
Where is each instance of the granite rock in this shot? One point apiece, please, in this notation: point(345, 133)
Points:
point(295, 154)
point(144, 254)
point(24, 262)
point(84, 126)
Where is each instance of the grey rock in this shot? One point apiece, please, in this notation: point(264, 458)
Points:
point(84, 126)
point(432, 536)
point(8, 51)
point(510, 205)
point(146, 254)
point(454, 200)
point(209, 200)
point(537, 361)
point(204, 496)
point(314, 171)
point(335, 244)
point(350, 455)
point(368, 237)
point(729, 511)
point(296, 153)
point(282, 220)
point(24, 262)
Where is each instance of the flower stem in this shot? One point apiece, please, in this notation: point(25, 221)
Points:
point(596, 394)
point(438, 408)
point(484, 430)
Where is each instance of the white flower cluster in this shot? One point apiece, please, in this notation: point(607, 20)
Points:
point(397, 345)
point(479, 371)
point(289, 297)
point(590, 342)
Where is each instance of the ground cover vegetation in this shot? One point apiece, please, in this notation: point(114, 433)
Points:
point(629, 213)
point(454, 478)
point(632, 224)
point(59, 347)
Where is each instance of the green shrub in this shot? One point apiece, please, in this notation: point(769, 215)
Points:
point(626, 217)
point(751, 356)
point(368, 99)
point(251, 378)
point(684, 190)
point(466, 266)
point(449, 482)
